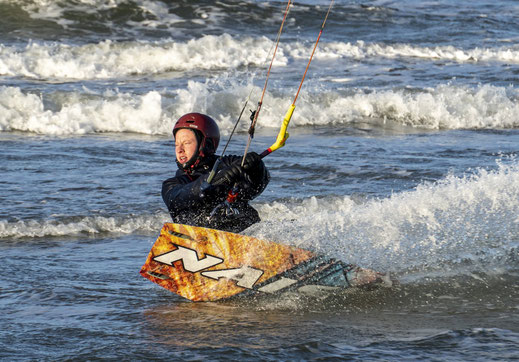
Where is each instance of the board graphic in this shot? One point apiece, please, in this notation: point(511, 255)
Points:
point(203, 264)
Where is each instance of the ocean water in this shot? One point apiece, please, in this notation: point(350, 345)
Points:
point(402, 157)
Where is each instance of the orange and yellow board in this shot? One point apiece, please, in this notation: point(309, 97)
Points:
point(205, 264)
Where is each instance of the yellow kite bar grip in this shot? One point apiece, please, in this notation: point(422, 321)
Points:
point(282, 135)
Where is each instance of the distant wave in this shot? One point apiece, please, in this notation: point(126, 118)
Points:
point(141, 14)
point(443, 107)
point(109, 59)
point(361, 49)
point(86, 225)
point(124, 113)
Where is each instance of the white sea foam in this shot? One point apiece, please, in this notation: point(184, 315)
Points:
point(87, 225)
point(469, 220)
point(362, 50)
point(123, 113)
point(443, 107)
point(55, 11)
point(109, 59)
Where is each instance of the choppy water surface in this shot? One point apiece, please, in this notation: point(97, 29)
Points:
point(402, 158)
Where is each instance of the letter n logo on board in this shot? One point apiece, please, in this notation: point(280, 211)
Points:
point(190, 260)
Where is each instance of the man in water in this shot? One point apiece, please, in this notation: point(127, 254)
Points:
point(194, 201)
point(191, 199)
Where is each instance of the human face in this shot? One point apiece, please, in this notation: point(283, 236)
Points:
point(185, 145)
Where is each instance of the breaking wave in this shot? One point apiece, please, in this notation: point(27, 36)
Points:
point(153, 113)
point(362, 50)
point(83, 225)
point(112, 59)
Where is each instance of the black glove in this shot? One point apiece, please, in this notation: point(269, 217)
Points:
point(252, 160)
point(228, 176)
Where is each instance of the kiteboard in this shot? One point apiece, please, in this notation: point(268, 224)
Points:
point(203, 264)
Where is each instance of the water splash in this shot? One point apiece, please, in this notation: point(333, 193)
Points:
point(457, 221)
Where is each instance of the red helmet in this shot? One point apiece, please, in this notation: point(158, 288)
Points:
point(206, 126)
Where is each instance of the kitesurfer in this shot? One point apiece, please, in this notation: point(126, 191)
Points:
point(191, 199)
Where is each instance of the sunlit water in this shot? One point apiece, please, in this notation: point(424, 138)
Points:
point(402, 158)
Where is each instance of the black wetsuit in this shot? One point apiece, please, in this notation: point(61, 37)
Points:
point(191, 200)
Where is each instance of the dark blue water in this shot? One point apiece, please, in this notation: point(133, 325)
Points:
point(402, 158)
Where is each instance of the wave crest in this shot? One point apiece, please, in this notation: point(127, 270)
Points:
point(89, 225)
point(110, 59)
point(153, 113)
